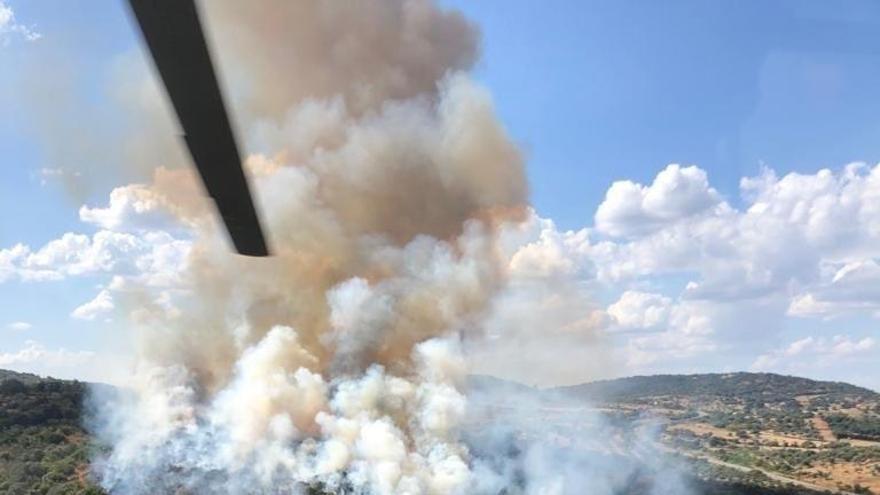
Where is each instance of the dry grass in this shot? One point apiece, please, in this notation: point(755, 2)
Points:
point(804, 400)
point(862, 443)
point(703, 428)
point(848, 473)
point(824, 430)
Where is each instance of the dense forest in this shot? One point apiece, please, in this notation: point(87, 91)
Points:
point(860, 428)
point(43, 447)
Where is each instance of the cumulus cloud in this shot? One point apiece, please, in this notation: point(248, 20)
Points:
point(101, 304)
point(10, 27)
point(676, 193)
point(172, 200)
point(130, 207)
point(71, 254)
point(547, 306)
point(10, 258)
point(794, 236)
point(802, 244)
point(637, 309)
point(814, 351)
point(842, 288)
point(537, 249)
point(143, 261)
point(153, 255)
point(543, 332)
point(36, 358)
point(675, 331)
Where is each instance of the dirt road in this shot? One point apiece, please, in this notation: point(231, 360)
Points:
point(770, 474)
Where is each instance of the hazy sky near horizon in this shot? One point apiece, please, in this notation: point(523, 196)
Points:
point(704, 171)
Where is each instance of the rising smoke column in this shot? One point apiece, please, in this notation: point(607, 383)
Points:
point(383, 178)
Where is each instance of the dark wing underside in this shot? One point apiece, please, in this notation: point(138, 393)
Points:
point(174, 35)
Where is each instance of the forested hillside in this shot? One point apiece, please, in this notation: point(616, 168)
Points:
point(745, 386)
point(43, 446)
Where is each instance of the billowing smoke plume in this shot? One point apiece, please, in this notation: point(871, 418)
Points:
point(336, 361)
point(382, 178)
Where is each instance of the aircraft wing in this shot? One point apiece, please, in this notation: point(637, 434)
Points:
point(172, 31)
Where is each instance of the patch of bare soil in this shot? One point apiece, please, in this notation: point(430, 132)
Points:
point(703, 428)
point(846, 473)
point(824, 430)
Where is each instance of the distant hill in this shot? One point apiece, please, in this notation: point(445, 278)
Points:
point(748, 387)
point(738, 420)
point(742, 385)
point(485, 384)
point(28, 378)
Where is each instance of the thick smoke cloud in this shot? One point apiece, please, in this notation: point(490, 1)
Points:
point(384, 181)
point(336, 360)
point(366, 53)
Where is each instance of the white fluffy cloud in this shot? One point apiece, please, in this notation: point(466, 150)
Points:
point(154, 254)
point(136, 247)
point(71, 254)
point(666, 348)
point(637, 309)
point(544, 327)
point(798, 234)
point(134, 208)
point(842, 288)
point(537, 249)
point(10, 258)
point(36, 358)
point(814, 351)
point(127, 206)
point(101, 304)
point(676, 193)
point(10, 27)
point(669, 330)
point(804, 245)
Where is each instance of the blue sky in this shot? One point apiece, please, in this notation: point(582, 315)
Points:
point(603, 90)
point(594, 92)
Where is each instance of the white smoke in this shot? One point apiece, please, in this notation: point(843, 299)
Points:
point(543, 442)
point(277, 427)
point(384, 181)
